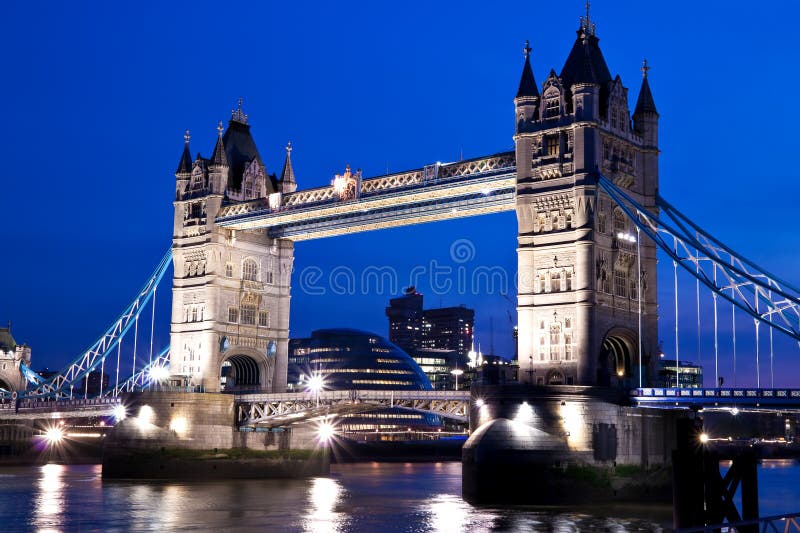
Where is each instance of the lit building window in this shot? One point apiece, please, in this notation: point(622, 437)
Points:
point(248, 315)
point(551, 145)
point(249, 270)
point(620, 283)
point(555, 341)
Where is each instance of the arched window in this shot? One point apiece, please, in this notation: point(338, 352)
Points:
point(619, 222)
point(249, 270)
point(555, 341)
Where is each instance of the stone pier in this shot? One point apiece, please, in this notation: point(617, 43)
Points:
point(565, 444)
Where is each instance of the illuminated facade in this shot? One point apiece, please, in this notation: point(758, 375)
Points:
point(349, 359)
point(12, 355)
point(230, 301)
point(690, 375)
point(579, 278)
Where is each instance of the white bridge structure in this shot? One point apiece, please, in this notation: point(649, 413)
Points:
point(271, 410)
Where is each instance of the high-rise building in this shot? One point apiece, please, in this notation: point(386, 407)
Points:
point(438, 339)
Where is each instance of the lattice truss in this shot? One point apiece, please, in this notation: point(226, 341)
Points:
point(731, 276)
point(283, 409)
point(58, 387)
point(423, 176)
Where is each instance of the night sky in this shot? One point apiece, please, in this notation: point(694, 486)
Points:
point(96, 97)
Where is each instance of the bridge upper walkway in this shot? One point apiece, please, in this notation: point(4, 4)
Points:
point(434, 192)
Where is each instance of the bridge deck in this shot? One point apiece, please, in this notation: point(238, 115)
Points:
point(752, 398)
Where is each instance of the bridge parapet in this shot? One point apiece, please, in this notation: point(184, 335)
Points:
point(741, 397)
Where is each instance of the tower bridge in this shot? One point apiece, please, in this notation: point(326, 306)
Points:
point(583, 179)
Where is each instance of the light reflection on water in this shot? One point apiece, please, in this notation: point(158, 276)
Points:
point(363, 497)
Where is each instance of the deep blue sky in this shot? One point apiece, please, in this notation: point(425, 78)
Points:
point(96, 97)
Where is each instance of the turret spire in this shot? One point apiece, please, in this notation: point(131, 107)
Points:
point(237, 115)
point(587, 26)
point(185, 164)
point(645, 102)
point(219, 157)
point(288, 182)
point(527, 83)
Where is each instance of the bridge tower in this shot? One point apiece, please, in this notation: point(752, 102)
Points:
point(231, 288)
point(577, 255)
point(12, 356)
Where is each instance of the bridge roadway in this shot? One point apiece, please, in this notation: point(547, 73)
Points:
point(275, 409)
point(278, 409)
point(741, 398)
point(51, 409)
point(435, 192)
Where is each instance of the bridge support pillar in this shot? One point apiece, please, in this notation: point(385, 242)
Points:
point(702, 494)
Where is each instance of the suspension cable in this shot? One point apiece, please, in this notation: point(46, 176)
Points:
point(135, 340)
point(677, 361)
point(716, 341)
point(757, 323)
point(771, 373)
point(639, 297)
point(733, 327)
point(116, 381)
point(102, 374)
point(152, 325)
point(697, 298)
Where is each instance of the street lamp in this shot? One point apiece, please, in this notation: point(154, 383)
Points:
point(456, 372)
point(315, 385)
point(630, 238)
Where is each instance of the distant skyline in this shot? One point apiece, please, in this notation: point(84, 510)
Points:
point(98, 96)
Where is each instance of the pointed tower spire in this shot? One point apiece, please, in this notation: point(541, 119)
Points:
point(527, 83)
point(645, 103)
point(185, 164)
point(288, 183)
point(219, 157)
point(237, 115)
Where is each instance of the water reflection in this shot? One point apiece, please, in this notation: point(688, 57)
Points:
point(324, 497)
point(448, 513)
point(362, 497)
point(49, 504)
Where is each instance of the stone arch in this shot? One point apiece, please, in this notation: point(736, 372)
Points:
point(5, 385)
point(244, 369)
point(617, 351)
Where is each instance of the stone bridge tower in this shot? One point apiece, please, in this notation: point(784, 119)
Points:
point(230, 296)
point(12, 356)
point(578, 289)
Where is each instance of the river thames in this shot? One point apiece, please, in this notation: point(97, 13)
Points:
point(383, 497)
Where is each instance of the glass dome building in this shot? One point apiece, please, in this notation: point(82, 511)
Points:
point(350, 359)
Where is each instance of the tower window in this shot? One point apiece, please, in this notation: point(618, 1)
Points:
point(248, 315)
point(551, 145)
point(233, 315)
point(268, 277)
point(555, 341)
point(250, 270)
point(567, 346)
point(228, 270)
point(620, 283)
point(551, 108)
point(263, 318)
